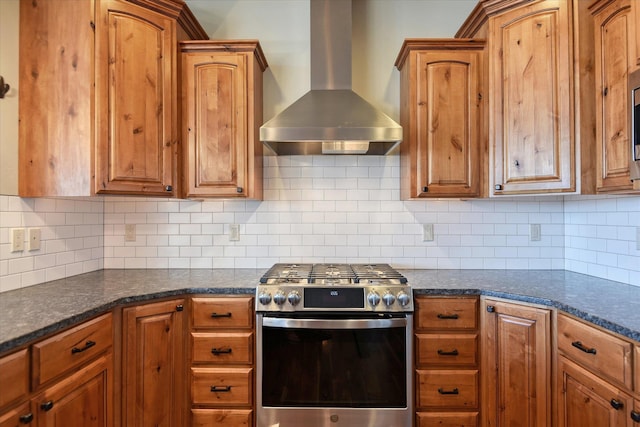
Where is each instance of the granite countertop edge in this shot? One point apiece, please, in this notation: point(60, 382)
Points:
point(99, 292)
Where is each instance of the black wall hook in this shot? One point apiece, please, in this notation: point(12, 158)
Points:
point(4, 87)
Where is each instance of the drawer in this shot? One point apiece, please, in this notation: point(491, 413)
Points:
point(222, 386)
point(14, 377)
point(222, 312)
point(447, 389)
point(222, 347)
point(18, 416)
point(447, 419)
point(70, 349)
point(446, 349)
point(446, 313)
point(597, 350)
point(636, 369)
point(221, 418)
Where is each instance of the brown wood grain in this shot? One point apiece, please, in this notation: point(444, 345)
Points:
point(234, 347)
point(240, 310)
point(14, 377)
point(221, 417)
point(238, 379)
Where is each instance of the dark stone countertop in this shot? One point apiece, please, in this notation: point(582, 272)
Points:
point(33, 312)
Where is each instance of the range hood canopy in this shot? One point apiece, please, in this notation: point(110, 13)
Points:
point(331, 118)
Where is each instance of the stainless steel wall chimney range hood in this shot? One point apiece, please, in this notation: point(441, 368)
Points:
point(331, 118)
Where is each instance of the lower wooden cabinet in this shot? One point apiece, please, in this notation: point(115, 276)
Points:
point(222, 361)
point(516, 364)
point(83, 399)
point(447, 378)
point(153, 373)
point(21, 415)
point(585, 399)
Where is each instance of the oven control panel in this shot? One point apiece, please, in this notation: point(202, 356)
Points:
point(274, 298)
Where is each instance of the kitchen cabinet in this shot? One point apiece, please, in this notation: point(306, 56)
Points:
point(531, 93)
point(442, 113)
point(153, 364)
point(98, 96)
point(222, 361)
point(516, 364)
point(447, 361)
point(594, 376)
point(64, 380)
point(222, 103)
point(615, 55)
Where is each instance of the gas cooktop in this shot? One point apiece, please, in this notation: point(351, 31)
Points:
point(333, 287)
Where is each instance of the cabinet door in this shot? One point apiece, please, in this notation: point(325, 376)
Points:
point(20, 416)
point(135, 91)
point(216, 112)
point(586, 400)
point(531, 99)
point(153, 365)
point(516, 368)
point(448, 124)
point(614, 57)
point(83, 399)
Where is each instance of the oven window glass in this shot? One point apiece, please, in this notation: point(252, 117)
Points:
point(362, 368)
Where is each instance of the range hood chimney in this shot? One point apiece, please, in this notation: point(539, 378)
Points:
point(331, 118)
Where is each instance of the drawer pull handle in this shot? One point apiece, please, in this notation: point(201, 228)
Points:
point(616, 404)
point(218, 351)
point(26, 419)
point(86, 347)
point(453, 352)
point(220, 389)
point(443, 391)
point(448, 316)
point(219, 315)
point(47, 406)
point(581, 347)
point(635, 416)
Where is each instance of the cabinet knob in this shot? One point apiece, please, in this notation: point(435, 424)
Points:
point(26, 419)
point(635, 416)
point(491, 309)
point(47, 406)
point(498, 187)
point(239, 190)
point(616, 404)
point(168, 188)
point(179, 307)
point(425, 189)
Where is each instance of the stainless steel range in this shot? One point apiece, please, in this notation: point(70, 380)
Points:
point(334, 346)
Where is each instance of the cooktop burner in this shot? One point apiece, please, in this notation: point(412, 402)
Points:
point(333, 287)
point(338, 274)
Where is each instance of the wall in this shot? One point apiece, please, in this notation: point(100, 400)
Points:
point(71, 237)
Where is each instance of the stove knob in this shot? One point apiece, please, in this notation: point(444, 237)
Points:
point(264, 298)
point(403, 298)
point(279, 298)
point(294, 297)
point(388, 298)
point(373, 298)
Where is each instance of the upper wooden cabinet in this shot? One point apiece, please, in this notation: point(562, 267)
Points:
point(441, 112)
point(222, 107)
point(98, 110)
point(531, 93)
point(614, 33)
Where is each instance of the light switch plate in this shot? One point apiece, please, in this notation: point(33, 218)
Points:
point(34, 239)
point(17, 239)
point(234, 232)
point(534, 233)
point(427, 233)
point(130, 233)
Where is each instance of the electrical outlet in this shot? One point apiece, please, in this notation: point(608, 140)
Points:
point(427, 233)
point(17, 239)
point(534, 233)
point(130, 233)
point(34, 239)
point(234, 232)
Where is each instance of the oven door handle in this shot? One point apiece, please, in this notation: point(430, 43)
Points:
point(280, 322)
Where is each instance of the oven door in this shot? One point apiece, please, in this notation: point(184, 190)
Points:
point(334, 370)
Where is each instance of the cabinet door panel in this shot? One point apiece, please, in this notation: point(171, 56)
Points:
point(516, 364)
point(14, 376)
point(614, 54)
point(216, 114)
point(153, 365)
point(586, 400)
point(81, 400)
point(531, 105)
point(135, 92)
point(448, 135)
